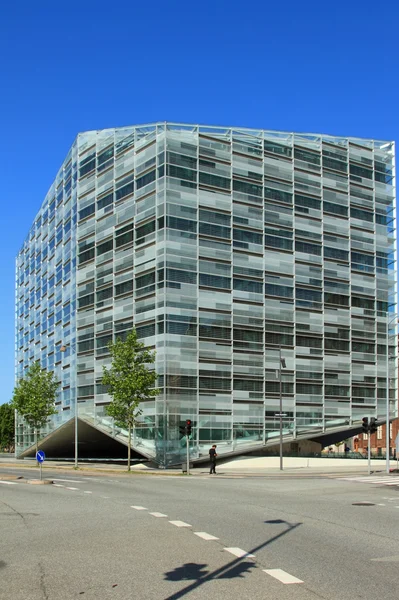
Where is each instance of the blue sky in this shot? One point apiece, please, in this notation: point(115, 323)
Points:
point(73, 66)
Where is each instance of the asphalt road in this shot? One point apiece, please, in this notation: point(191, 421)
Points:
point(136, 537)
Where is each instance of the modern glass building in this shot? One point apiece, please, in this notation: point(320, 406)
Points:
point(225, 248)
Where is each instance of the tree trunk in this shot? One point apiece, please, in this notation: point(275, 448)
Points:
point(129, 446)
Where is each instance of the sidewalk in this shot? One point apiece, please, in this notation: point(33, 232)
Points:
point(267, 465)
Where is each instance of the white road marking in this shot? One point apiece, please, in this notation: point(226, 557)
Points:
point(158, 514)
point(58, 485)
point(180, 523)
point(240, 553)
point(9, 482)
point(139, 507)
point(105, 497)
point(380, 504)
point(205, 536)
point(373, 480)
point(71, 488)
point(70, 480)
point(87, 492)
point(282, 576)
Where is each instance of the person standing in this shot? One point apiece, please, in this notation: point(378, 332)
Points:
point(212, 458)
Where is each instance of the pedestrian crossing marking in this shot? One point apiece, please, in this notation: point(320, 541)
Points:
point(373, 480)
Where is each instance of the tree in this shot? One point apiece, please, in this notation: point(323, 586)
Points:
point(129, 382)
point(34, 397)
point(7, 427)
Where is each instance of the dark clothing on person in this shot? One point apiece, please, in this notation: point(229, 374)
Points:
point(212, 457)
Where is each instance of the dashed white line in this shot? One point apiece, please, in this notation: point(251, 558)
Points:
point(58, 485)
point(180, 523)
point(71, 488)
point(9, 482)
point(282, 576)
point(87, 492)
point(380, 504)
point(205, 536)
point(158, 514)
point(240, 553)
point(139, 507)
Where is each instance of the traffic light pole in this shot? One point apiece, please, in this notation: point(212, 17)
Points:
point(188, 453)
point(369, 452)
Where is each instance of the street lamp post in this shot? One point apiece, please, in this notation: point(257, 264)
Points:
point(394, 318)
point(63, 349)
point(280, 366)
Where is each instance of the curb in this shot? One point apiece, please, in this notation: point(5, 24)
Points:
point(39, 481)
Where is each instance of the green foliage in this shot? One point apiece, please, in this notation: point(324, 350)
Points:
point(34, 396)
point(129, 381)
point(7, 427)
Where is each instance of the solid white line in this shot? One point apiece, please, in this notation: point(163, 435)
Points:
point(70, 488)
point(139, 507)
point(240, 553)
point(9, 482)
point(205, 536)
point(180, 523)
point(282, 576)
point(370, 479)
point(87, 492)
point(158, 514)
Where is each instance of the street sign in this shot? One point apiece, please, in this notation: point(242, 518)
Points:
point(40, 456)
point(280, 414)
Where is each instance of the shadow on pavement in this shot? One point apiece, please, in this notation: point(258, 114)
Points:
point(237, 567)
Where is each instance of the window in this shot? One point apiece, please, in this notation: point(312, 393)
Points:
point(308, 248)
point(105, 201)
point(144, 230)
point(145, 280)
point(247, 188)
point(145, 179)
point(181, 276)
point(251, 237)
point(214, 281)
point(105, 247)
point(247, 285)
point(307, 202)
point(124, 288)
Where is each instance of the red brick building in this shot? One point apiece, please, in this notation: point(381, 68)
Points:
point(378, 440)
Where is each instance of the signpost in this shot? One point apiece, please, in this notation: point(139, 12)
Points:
point(40, 456)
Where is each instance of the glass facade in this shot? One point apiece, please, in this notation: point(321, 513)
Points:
point(220, 246)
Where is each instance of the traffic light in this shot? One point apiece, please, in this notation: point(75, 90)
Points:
point(188, 427)
point(373, 425)
point(365, 424)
